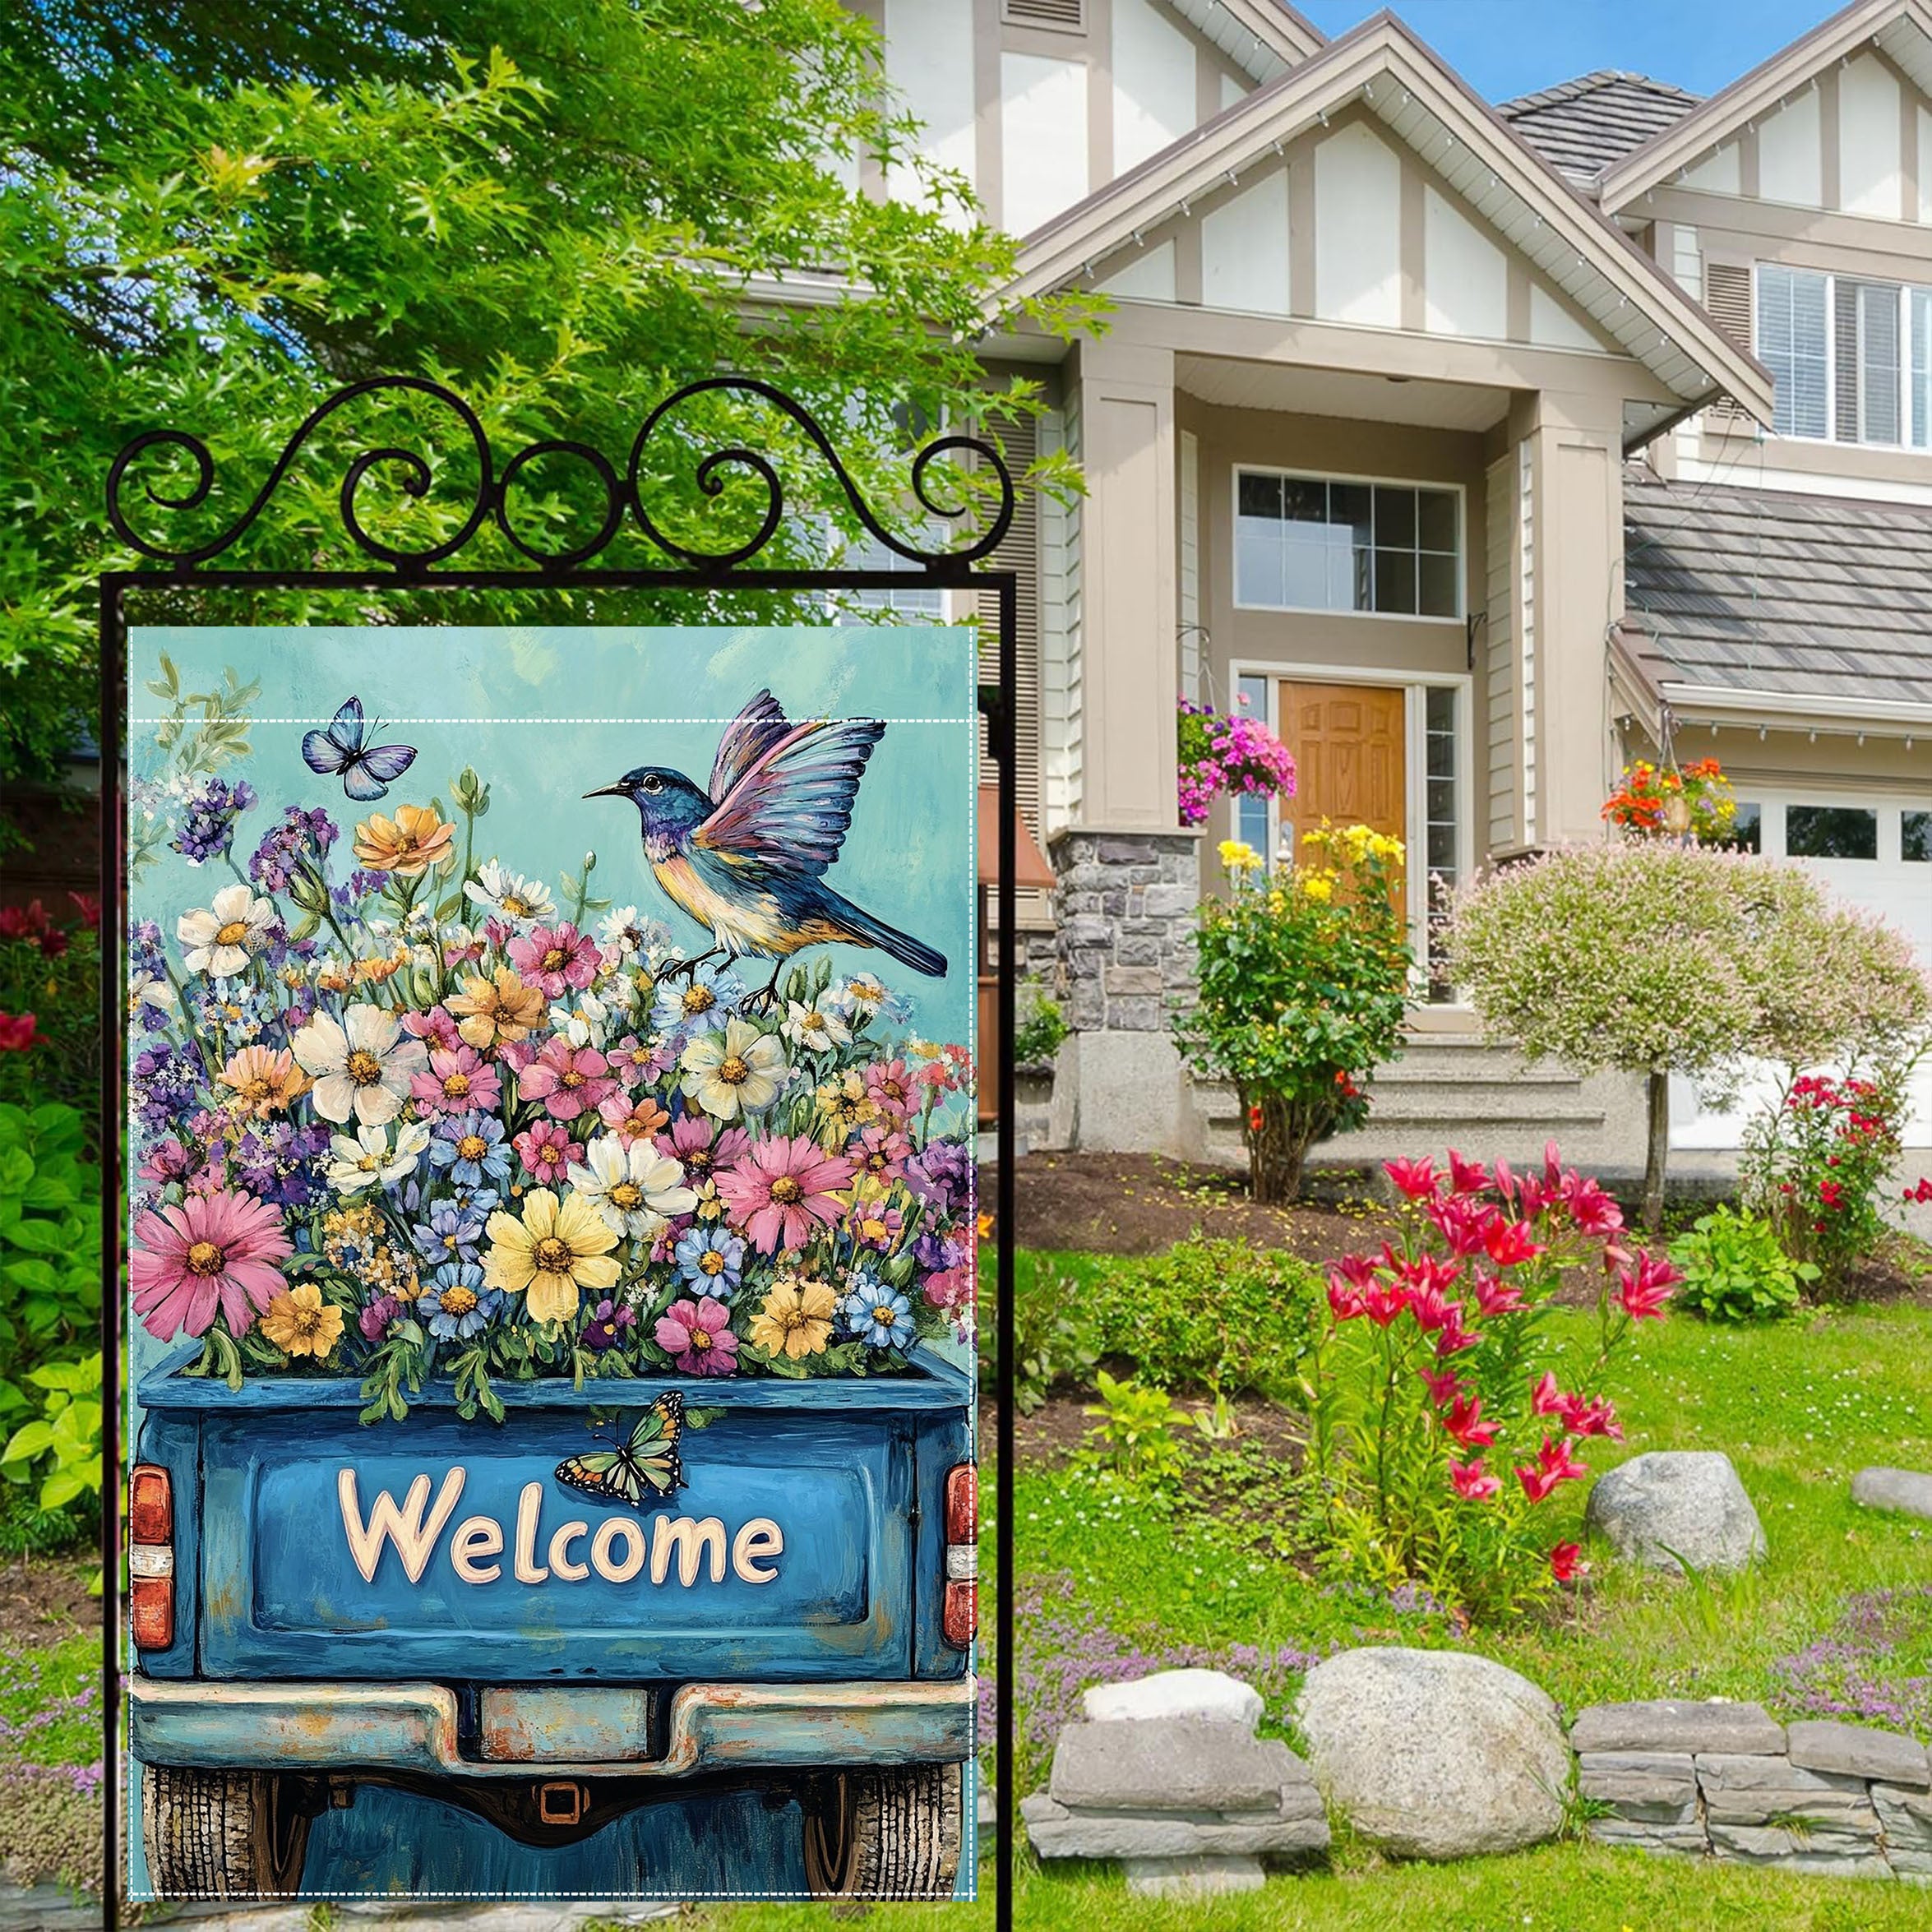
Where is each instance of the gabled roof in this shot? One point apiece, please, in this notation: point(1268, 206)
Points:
point(1262, 38)
point(1900, 29)
point(1583, 126)
point(1746, 598)
point(1426, 107)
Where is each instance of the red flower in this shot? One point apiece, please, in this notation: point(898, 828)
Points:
point(1466, 1176)
point(1464, 1422)
point(18, 1034)
point(1590, 1207)
point(1554, 1464)
point(1464, 1221)
point(1470, 1482)
point(1509, 1243)
point(1344, 1301)
point(1444, 1387)
point(1563, 1561)
point(1454, 1336)
point(1831, 1194)
point(1417, 1179)
point(1645, 1290)
point(1384, 1301)
point(1255, 1120)
point(89, 907)
point(1922, 1193)
point(1494, 1296)
point(1546, 1399)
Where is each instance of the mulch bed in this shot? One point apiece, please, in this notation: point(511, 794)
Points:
point(43, 1599)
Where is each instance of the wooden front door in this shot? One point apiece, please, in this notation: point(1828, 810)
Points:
point(1349, 745)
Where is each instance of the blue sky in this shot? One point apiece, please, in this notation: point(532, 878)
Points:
point(1503, 48)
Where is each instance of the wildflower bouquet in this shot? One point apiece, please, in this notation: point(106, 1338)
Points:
point(418, 1119)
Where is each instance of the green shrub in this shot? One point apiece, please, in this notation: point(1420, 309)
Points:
point(49, 1250)
point(1220, 1314)
point(1040, 1028)
point(1051, 1335)
point(1734, 1270)
point(1135, 1432)
point(50, 971)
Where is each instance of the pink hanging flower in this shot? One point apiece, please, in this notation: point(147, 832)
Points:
point(569, 1080)
point(545, 1151)
point(214, 1251)
point(554, 957)
point(698, 1335)
point(782, 1188)
point(459, 1081)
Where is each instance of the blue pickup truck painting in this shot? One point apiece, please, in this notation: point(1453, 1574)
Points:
point(551, 1308)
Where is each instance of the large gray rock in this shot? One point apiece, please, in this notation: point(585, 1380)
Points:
point(1857, 1750)
point(1677, 1503)
point(1435, 1754)
point(1907, 1818)
point(1757, 1791)
point(1673, 1724)
point(1192, 1765)
point(1298, 1826)
point(1169, 1694)
point(1904, 1490)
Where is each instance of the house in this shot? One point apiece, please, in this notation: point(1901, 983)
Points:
point(1478, 447)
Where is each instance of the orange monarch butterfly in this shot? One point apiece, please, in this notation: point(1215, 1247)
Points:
point(648, 1461)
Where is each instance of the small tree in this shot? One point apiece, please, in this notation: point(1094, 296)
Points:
point(1302, 985)
point(1658, 958)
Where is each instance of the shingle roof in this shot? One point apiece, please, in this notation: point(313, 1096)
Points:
point(1751, 589)
point(1583, 126)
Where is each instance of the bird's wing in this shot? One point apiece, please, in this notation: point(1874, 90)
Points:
point(792, 805)
point(755, 730)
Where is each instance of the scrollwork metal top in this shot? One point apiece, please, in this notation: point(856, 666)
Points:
point(622, 494)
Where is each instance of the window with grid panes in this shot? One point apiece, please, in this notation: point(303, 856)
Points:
point(1442, 831)
point(1331, 543)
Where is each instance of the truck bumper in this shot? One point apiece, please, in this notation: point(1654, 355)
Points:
point(579, 1731)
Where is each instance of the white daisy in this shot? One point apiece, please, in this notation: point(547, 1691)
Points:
point(365, 1158)
point(740, 1068)
point(623, 935)
point(221, 939)
point(863, 991)
point(636, 1190)
point(359, 1064)
point(509, 894)
point(817, 1027)
point(150, 989)
point(589, 1026)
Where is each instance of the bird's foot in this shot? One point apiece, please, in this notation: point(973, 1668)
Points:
point(687, 967)
point(765, 999)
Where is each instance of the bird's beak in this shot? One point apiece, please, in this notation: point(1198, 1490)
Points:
point(609, 791)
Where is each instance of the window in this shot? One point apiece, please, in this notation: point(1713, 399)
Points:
point(1747, 829)
point(1914, 842)
point(1330, 543)
point(1442, 828)
point(920, 603)
point(1830, 831)
point(1252, 816)
point(1852, 359)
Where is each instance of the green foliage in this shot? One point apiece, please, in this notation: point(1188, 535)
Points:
point(50, 970)
point(215, 215)
point(1302, 989)
point(1219, 1315)
point(1135, 1432)
point(1040, 1027)
point(1052, 1336)
point(1736, 1270)
point(50, 1249)
point(65, 1436)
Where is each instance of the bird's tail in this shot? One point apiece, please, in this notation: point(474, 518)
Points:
point(862, 928)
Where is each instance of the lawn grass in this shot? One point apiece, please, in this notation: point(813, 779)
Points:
point(50, 1702)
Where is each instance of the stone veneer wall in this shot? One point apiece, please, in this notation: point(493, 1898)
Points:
point(1725, 1781)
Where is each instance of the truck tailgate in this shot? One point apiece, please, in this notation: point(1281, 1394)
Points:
point(446, 1549)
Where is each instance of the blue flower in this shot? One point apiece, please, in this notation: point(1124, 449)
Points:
point(472, 1147)
point(879, 1315)
point(208, 823)
point(702, 998)
point(712, 1258)
point(451, 1232)
point(458, 1306)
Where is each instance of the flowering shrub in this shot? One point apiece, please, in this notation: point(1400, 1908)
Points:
point(1227, 752)
point(1302, 987)
point(1439, 1427)
point(1817, 1160)
point(1699, 797)
point(421, 1119)
point(50, 1004)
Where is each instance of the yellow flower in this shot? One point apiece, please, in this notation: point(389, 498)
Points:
point(1319, 887)
point(796, 1318)
point(1238, 855)
point(301, 1323)
point(491, 1011)
point(557, 1248)
point(409, 844)
point(264, 1081)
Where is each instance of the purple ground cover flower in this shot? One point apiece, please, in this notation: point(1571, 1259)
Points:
point(1875, 1663)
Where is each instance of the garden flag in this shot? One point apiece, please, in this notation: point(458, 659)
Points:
point(551, 1259)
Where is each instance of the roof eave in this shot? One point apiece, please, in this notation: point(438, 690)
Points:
point(1793, 710)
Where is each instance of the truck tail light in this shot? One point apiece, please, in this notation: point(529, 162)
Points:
point(150, 1557)
point(959, 1619)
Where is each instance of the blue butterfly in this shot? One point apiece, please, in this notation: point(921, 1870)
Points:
point(365, 773)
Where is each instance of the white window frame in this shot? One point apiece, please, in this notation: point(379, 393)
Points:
point(1415, 687)
point(1237, 471)
point(1904, 445)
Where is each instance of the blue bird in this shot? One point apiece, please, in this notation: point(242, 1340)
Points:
point(747, 856)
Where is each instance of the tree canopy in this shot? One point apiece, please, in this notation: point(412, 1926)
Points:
point(217, 215)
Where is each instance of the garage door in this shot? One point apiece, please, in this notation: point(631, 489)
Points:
point(1875, 853)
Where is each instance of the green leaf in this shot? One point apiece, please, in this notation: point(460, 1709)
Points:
point(32, 1441)
point(38, 1237)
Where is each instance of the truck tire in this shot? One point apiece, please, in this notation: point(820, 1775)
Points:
point(891, 1833)
point(222, 1834)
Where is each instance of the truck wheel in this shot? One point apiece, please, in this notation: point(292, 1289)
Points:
point(222, 1834)
point(884, 1834)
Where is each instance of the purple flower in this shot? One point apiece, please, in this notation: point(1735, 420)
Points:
point(607, 1322)
point(374, 1320)
point(942, 1175)
point(166, 1078)
point(302, 837)
point(208, 822)
point(934, 1254)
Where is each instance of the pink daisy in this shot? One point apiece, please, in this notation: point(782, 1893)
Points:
point(889, 1088)
point(782, 1187)
point(634, 1062)
point(214, 1249)
point(698, 1334)
point(569, 1080)
point(631, 1117)
point(555, 957)
point(545, 1151)
point(437, 1026)
point(695, 1140)
point(885, 1151)
point(459, 1081)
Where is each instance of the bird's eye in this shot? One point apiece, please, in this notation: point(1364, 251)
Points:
point(653, 784)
